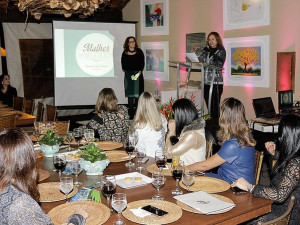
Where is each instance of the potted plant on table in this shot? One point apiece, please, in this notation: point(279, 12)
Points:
point(93, 160)
point(50, 143)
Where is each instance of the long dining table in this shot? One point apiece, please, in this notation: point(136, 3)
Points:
point(247, 207)
point(23, 118)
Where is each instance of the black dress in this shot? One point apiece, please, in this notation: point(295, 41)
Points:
point(7, 98)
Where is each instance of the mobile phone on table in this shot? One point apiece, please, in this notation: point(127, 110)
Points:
point(237, 190)
point(92, 186)
point(144, 160)
point(154, 210)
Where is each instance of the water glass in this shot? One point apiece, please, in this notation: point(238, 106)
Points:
point(188, 178)
point(158, 180)
point(140, 154)
point(66, 186)
point(68, 138)
point(76, 169)
point(119, 203)
point(89, 135)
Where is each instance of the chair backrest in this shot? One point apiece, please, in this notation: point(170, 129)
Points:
point(28, 106)
point(259, 156)
point(62, 127)
point(209, 145)
point(59, 127)
point(40, 112)
point(284, 218)
point(18, 103)
point(50, 113)
point(8, 121)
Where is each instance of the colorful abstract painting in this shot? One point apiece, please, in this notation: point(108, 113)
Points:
point(154, 15)
point(155, 60)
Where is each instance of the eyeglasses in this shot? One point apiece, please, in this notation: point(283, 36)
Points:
point(131, 41)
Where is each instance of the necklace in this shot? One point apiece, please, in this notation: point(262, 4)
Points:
point(131, 51)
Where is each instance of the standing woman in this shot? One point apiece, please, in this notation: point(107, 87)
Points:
point(7, 91)
point(133, 63)
point(213, 54)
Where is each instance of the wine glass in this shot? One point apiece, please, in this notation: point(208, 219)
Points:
point(188, 178)
point(158, 180)
point(89, 135)
point(129, 147)
point(68, 138)
point(66, 186)
point(76, 169)
point(77, 134)
point(37, 135)
point(59, 162)
point(108, 186)
point(177, 170)
point(140, 154)
point(119, 203)
point(160, 159)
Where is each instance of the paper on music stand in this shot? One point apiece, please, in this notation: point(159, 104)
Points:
point(192, 56)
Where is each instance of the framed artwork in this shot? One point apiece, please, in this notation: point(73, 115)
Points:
point(245, 13)
point(156, 60)
point(154, 17)
point(247, 61)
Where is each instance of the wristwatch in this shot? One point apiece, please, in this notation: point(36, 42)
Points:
point(250, 187)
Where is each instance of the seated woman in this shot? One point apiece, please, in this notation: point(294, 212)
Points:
point(236, 156)
point(111, 121)
point(7, 91)
point(19, 193)
point(150, 125)
point(186, 136)
point(285, 176)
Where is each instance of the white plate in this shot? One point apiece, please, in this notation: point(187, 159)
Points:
point(69, 159)
point(37, 147)
point(120, 179)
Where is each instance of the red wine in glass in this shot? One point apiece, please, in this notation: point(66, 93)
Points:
point(177, 174)
point(60, 166)
point(161, 162)
point(109, 189)
point(129, 149)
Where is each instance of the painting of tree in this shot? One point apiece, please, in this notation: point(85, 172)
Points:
point(246, 61)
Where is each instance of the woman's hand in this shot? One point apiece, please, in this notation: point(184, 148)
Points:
point(196, 47)
point(270, 146)
point(241, 183)
point(172, 126)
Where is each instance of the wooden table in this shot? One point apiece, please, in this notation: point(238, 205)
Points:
point(247, 207)
point(23, 119)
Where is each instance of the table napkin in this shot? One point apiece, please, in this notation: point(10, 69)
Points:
point(139, 212)
point(204, 202)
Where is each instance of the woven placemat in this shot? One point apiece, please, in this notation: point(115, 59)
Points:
point(174, 212)
point(220, 197)
point(50, 192)
point(108, 145)
point(98, 213)
point(43, 175)
point(118, 156)
point(154, 169)
point(207, 184)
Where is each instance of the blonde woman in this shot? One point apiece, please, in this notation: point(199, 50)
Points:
point(236, 156)
point(111, 121)
point(150, 125)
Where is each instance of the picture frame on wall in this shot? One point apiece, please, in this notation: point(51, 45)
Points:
point(156, 60)
point(154, 17)
point(247, 61)
point(245, 13)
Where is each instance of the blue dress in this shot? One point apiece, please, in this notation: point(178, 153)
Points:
point(239, 162)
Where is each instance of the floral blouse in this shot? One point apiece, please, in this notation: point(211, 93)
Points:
point(111, 126)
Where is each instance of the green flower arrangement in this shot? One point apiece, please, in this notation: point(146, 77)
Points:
point(92, 153)
point(50, 139)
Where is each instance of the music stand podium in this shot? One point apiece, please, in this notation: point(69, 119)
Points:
point(200, 66)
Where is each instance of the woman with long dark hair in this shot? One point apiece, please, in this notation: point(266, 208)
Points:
point(236, 156)
point(186, 136)
point(285, 176)
point(19, 193)
point(7, 92)
point(133, 62)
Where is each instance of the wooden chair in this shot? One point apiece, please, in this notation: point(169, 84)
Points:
point(8, 121)
point(209, 146)
point(18, 103)
point(62, 127)
point(259, 156)
point(284, 218)
point(28, 106)
point(40, 112)
point(50, 113)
